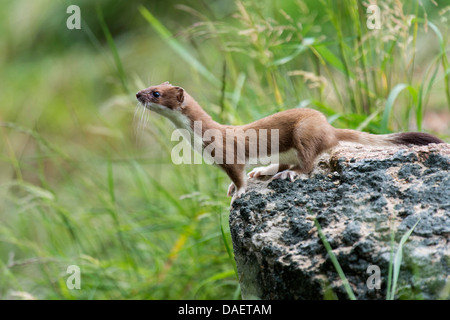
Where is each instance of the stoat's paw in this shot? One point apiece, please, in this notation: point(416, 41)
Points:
point(231, 188)
point(255, 173)
point(237, 195)
point(240, 192)
point(263, 171)
point(286, 174)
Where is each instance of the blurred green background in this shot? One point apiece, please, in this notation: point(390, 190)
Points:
point(86, 178)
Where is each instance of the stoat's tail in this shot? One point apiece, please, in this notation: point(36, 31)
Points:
point(405, 138)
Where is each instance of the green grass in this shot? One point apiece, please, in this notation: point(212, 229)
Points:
point(394, 263)
point(79, 186)
point(335, 262)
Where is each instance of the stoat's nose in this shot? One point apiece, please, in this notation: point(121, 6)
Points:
point(142, 96)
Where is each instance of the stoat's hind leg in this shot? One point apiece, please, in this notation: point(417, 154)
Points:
point(292, 172)
point(286, 174)
point(269, 170)
point(311, 139)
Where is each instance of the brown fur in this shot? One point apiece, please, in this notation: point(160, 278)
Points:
point(415, 138)
point(305, 130)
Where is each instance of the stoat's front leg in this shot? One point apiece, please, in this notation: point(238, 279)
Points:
point(236, 172)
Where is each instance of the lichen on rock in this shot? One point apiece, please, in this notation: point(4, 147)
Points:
point(359, 196)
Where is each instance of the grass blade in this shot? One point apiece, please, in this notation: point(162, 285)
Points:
point(228, 247)
point(390, 102)
point(443, 54)
point(398, 260)
point(158, 186)
point(424, 92)
point(391, 262)
point(177, 47)
point(333, 60)
point(335, 262)
point(111, 182)
point(298, 49)
point(113, 48)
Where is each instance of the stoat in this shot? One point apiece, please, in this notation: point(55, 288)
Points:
point(302, 134)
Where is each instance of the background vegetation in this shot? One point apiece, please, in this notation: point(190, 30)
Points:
point(86, 178)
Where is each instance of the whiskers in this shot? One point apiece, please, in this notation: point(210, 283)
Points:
point(140, 120)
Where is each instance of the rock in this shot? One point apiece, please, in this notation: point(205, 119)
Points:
point(360, 197)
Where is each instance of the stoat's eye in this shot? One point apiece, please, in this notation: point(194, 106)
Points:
point(156, 94)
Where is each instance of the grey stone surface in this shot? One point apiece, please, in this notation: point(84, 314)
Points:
point(359, 196)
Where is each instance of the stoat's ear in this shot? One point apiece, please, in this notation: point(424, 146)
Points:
point(180, 94)
point(165, 83)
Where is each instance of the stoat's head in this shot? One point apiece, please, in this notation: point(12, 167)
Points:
point(164, 98)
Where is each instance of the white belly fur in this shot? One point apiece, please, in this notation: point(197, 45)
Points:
point(287, 157)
